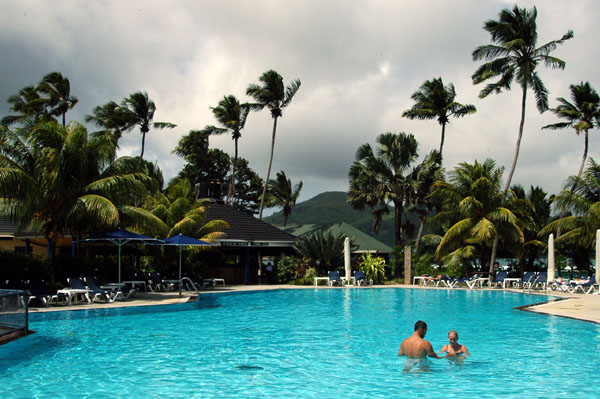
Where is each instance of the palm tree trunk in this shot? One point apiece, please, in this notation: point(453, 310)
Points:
point(420, 233)
point(285, 218)
point(443, 134)
point(143, 143)
point(64, 119)
point(585, 151)
point(231, 189)
point(512, 168)
point(264, 193)
point(397, 224)
point(518, 146)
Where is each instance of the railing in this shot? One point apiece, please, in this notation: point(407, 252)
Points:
point(189, 282)
point(14, 311)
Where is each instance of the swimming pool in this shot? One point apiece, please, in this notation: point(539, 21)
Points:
point(325, 343)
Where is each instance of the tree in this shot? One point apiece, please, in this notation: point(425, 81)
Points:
point(473, 212)
point(514, 56)
point(232, 116)
point(138, 110)
point(111, 118)
point(435, 101)
point(57, 88)
point(248, 188)
point(377, 179)
point(55, 179)
point(583, 201)
point(582, 114)
point(282, 194)
point(275, 96)
point(423, 177)
point(324, 251)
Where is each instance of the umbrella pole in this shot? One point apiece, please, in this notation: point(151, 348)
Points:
point(180, 272)
point(119, 266)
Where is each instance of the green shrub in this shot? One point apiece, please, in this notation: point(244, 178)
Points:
point(286, 268)
point(18, 266)
point(374, 266)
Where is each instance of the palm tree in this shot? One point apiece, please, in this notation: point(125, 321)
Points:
point(583, 200)
point(282, 194)
point(55, 179)
point(436, 101)
point(232, 116)
point(274, 95)
point(514, 55)
point(30, 107)
point(582, 115)
point(111, 118)
point(138, 110)
point(473, 212)
point(377, 179)
point(324, 250)
point(58, 91)
point(423, 177)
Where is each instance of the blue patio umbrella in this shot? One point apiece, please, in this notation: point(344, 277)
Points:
point(120, 237)
point(180, 241)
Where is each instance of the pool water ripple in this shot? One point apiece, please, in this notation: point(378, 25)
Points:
point(339, 343)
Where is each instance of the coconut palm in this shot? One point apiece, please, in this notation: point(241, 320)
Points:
point(514, 56)
point(231, 115)
point(111, 118)
point(580, 196)
point(56, 180)
point(30, 107)
point(57, 89)
point(138, 110)
point(377, 178)
point(473, 212)
point(282, 194)
point(582, 114)
point(435, 101)
point(323, 250)
point(274, 95)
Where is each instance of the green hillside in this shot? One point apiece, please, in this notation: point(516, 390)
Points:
point(330, 208)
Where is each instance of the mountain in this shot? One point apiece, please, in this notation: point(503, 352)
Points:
point(330, 208)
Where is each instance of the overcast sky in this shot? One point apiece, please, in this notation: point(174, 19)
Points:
point(359, 63)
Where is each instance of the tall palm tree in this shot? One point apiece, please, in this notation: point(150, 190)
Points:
point(582, 114)
point(30, 107)
point(435, 101)
point(139, 110)
point(232, 116)
point(514, 56)
point(423, 177)
point(282, 194)
point(473, 212)
point(71, 185)
point(57, 88)
point(111, 118)
point(377, 178)
point(274, 95)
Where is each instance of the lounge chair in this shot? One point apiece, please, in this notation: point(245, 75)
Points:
point(461, 280)
point(587, 287)
point(92, 293)
point(528, 279)
point(360, 277)
point(334, 278)
point(541, 280)
point(499, 279)
point(156, 283)
point(40, 290)
point(95, 286)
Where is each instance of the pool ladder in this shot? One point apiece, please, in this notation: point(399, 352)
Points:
point(188, 283)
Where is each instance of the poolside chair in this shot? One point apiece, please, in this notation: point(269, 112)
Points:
point(156, 283)
point(96, 288)
point(587, 287)
point(541, 280)
point(360, 277)
point(453, 282)
point(40, 290)
point(334, 278)
point(92, 294)
point(499, 279)
point(443, 279)
point(528, 279)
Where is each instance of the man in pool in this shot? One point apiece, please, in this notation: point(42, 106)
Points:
point(416, 349)
point(454, 348)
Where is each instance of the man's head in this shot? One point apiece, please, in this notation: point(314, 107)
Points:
point(421, 327)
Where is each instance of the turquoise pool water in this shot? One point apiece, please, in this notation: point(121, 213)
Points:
point(339, 343)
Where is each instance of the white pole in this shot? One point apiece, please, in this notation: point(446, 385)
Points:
point(551, 262)
point(180, 271)
point(598, 257)
point(347, 259)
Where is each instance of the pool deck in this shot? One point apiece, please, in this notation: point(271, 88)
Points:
point(576, 306)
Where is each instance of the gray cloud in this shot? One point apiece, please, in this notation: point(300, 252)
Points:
point(359, 62)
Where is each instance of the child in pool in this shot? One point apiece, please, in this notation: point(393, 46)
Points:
point(454, 348)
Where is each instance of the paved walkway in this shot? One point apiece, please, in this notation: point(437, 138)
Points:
point(576, 306)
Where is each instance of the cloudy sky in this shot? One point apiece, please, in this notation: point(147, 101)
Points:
point(359, 63)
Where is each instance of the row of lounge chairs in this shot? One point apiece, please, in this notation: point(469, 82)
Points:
point(360, 278)
point(530, 280)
